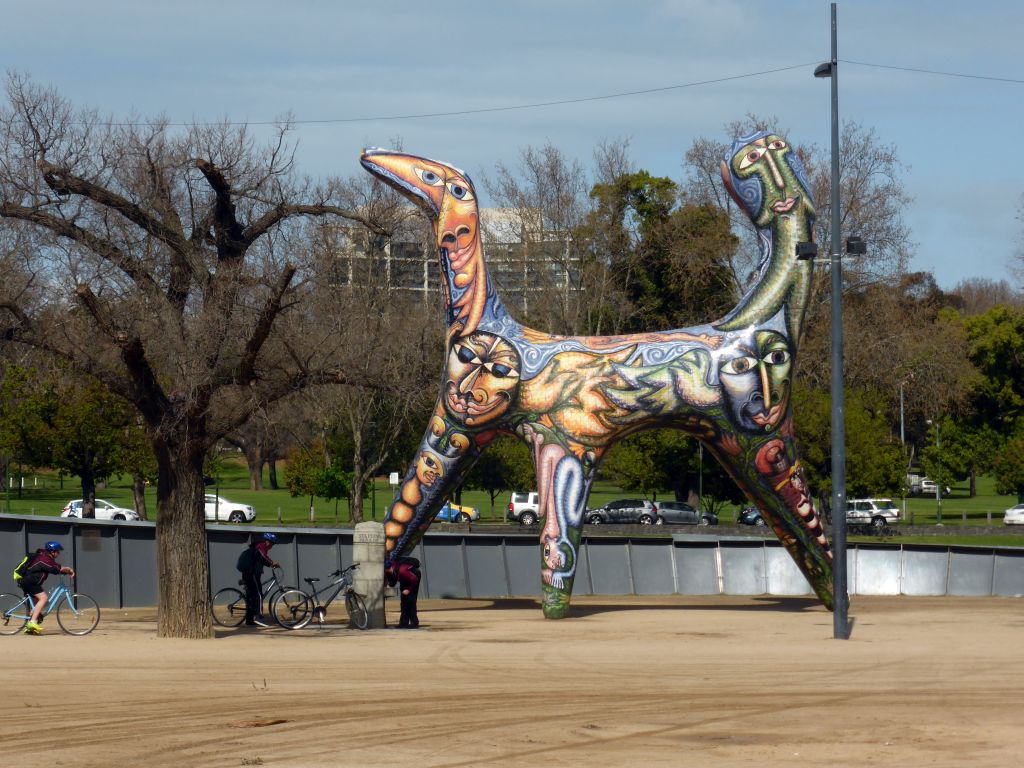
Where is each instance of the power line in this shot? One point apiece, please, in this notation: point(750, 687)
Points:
point(933, 72)
point(536, 105)
point(583, 99)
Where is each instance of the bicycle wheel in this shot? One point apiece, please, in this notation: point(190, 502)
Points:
point(228, 607)
point(293, 609)
point(10, 606)
point(78, 614)
point(356, 611)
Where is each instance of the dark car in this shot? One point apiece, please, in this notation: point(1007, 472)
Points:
point(624, 511)
point(750, 516)
point(680, 513)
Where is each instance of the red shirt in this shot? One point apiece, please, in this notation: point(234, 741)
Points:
point(41, 566)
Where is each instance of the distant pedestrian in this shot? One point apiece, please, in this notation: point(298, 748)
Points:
point(251, 563)
point(405, 572)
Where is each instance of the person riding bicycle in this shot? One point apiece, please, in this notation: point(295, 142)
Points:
point(251, 563)
point(40, 565)
point(405, 572)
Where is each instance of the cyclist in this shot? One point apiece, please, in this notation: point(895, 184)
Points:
point(42, 564)
point(406, 573)
point(251, 564)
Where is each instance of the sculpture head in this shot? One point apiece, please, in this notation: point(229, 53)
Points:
point(482, 379)
point(447, 196)
point(765, 177)
point(755, 380)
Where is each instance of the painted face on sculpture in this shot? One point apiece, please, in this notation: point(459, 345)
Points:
point(766, 178)
point(756, 382)
point(483, 378)
point(428, 468)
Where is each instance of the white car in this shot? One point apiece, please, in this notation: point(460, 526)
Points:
point(1014, 515)
point(104, 511)
point(876, 512)
point(219, 508)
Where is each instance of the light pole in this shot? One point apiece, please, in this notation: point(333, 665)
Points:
point(840, 625)
point(903, 448)
point(938, 485)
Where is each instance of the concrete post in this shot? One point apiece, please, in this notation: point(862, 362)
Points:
point(368, 551)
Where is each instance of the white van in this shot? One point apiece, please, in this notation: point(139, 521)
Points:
point(523, 508)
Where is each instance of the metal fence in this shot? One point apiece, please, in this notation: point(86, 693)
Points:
point(116, 562)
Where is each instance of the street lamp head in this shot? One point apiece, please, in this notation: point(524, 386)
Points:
point(806, 251)
point(855, 246)
point(823, 70)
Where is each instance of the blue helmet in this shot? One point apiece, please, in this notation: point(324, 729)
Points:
point(270, 537)
point(53, 546)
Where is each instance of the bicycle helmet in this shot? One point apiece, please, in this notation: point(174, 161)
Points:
point(53, 546)
point(270, 537)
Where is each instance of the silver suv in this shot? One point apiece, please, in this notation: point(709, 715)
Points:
point(523, 508)
point(639, 511)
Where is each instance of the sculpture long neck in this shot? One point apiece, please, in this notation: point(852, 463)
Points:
point(782, 280)
point(469, 293)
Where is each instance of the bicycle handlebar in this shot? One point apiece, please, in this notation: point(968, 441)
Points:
point(341, 572)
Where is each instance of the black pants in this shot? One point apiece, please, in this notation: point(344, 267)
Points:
point(253, 596)
point(408, 603)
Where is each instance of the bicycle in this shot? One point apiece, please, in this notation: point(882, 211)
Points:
point(228, 605)
point(77, 614)
point(294, 608)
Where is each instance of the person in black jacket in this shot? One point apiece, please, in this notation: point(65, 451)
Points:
point(40, 566)
point(251, 565)
point(405, 572)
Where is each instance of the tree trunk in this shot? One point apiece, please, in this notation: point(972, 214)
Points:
point(88, 492)
point(357, 492)
point(183, 573)
point(272, 468)
point(139, 494)
point(254, 460)
point(974, 482)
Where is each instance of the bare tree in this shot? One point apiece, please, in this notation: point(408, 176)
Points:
point(977, 295)
point(166, 264)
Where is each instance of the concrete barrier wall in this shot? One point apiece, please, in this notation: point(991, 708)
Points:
point(116, 562)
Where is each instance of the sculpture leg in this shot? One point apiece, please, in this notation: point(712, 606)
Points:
point(563, 485)
point(773, 479)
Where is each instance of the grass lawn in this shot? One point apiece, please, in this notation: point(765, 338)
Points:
point(44, 494)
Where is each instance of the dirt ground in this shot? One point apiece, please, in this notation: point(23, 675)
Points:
point(674, 681)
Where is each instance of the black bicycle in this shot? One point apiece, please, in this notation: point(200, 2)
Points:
point(228, 605)
point(294, 609)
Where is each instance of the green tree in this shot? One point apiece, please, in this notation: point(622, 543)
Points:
point(506, 465)
point(997, 349)
point(1008, 466)
point(72, 424)
point(959, 450)
point(874, 457)
point(672, 259)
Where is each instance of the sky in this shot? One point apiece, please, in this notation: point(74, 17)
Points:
point(357, 67)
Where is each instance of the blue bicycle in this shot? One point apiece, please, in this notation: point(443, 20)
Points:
point(77, 614)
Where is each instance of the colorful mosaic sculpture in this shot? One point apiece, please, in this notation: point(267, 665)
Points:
point(727, 383)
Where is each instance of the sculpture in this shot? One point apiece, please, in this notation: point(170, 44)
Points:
point(726, 383)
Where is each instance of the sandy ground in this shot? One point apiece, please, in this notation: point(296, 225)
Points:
point(627, 682)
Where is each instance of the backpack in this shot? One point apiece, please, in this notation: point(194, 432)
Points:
point(22, 568)
point(246, 560)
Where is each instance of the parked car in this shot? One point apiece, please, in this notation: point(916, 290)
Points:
point(219, 508)
point(679, 513)
point(1014, 515)
point(639, 511)
point(876, 512)
point(456, 513)
point(104, 511)
point(927, 488)
point(750, 516)
point(523, 508)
